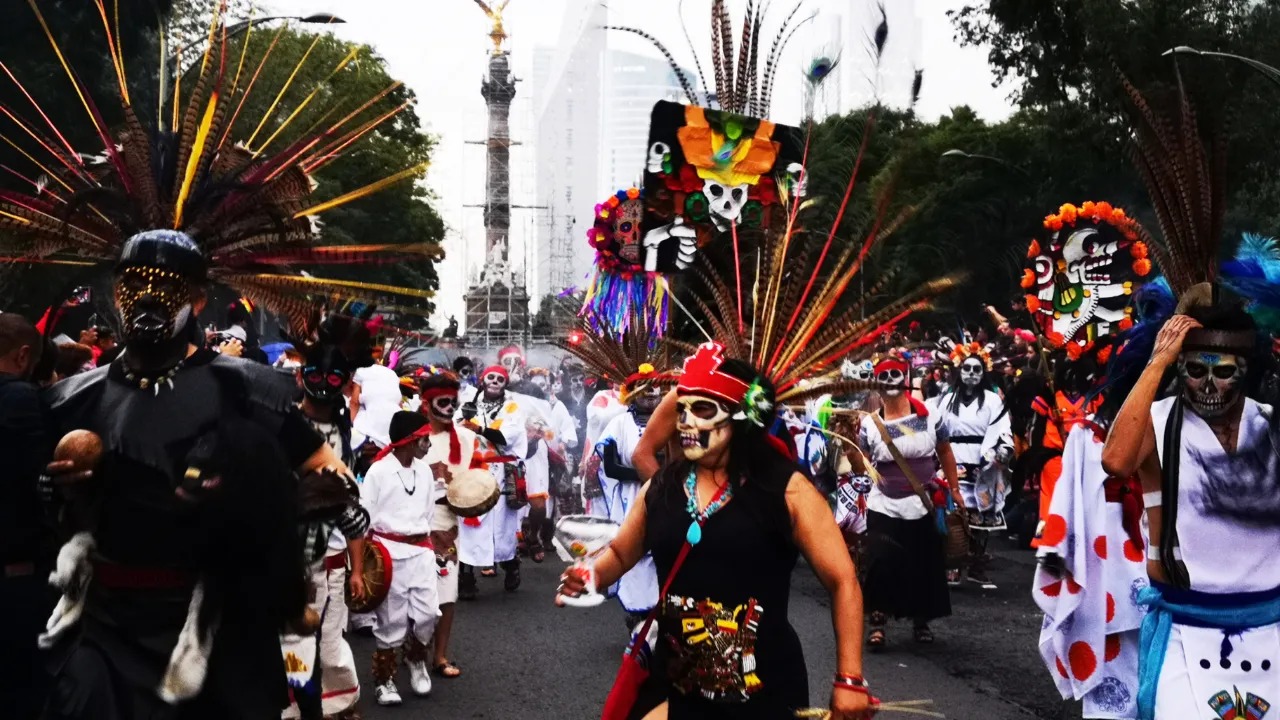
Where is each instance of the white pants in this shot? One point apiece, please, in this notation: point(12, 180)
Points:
point(412, 597)
point(447, 583)
point(1186, 683)
point(339, 685)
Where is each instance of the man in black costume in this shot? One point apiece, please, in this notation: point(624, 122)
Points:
point(191, 510)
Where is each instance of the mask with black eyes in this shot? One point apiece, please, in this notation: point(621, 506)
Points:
point(324, 375)
point(1212, 383)
point(971, 372)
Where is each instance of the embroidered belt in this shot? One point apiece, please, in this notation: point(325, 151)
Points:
point(132, 577)
point(1167, 605)
point(423, 540)
point(335, 562)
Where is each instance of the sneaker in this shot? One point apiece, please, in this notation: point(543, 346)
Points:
point(953, 578)
point(979, 577)
point(387, 694)
point(419, 678)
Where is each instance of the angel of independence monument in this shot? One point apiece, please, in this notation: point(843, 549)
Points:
point(498, 304)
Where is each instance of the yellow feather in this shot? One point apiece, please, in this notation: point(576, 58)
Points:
point(193, 162)
point(307, 100)
point(363, 192)
point(287, 83)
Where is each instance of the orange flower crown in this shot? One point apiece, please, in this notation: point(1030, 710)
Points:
point(962, 352)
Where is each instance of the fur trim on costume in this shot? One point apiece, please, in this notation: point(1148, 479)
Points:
point(71, 575)
point(414, 650)
point(189, 662)
point(384, 665)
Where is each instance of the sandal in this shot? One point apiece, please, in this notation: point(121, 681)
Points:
point(446, 669)
point(876, 639)
point(489, 572)
point(537, 554)
point(923, 635)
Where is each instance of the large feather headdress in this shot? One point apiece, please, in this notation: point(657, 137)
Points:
point(250, 213)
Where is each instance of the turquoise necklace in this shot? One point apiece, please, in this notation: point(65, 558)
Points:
point(722, 496)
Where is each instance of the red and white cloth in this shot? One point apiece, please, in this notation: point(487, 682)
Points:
point(1090, 633)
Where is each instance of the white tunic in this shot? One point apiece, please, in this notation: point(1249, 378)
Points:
point(379, 399)
point(400, 500)
point(978, 433)
point(492, 537)
point(637, 590)
point(1228, 533)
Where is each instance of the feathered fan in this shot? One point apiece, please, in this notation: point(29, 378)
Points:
point(251, 214)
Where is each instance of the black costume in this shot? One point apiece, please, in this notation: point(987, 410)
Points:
point(743, 562)
point(152, 547)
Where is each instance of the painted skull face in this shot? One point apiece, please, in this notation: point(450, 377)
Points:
point(1087, 255)
point(971, 371)
point(705, 428)
point(494, 384)
point(626, 230)
point(155, 304)
point(541, 382)
point(895, 377)
point(1212, 382)
point(725, 201)
point(442, 407)
point(863, 370)
point(512, 362)
point(645, 402)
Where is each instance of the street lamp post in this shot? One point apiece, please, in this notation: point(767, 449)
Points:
point(171, 65)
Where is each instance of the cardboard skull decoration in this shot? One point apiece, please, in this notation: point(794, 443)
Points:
point(707, 172)
point(1080, 275)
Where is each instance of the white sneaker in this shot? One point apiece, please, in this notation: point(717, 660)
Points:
point(387, 693)
point(419, 678)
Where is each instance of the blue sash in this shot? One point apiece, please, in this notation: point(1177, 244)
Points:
point(1231, 613)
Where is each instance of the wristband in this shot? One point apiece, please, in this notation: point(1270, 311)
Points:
point(852, 682)
point(852, 688)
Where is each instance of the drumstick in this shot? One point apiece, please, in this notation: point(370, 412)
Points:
point(908, 707)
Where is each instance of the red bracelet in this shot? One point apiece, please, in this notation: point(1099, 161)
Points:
point(853, 688)
point(852, 682)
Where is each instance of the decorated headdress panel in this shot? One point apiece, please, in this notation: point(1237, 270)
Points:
point(186, 192)
point(1083, 270)
point(621, 285)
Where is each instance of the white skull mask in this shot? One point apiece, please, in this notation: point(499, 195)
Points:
point(658, 153)
point(724, 201)
point(704, 427)
point(1211, 382)
point(850, 370)
point(971, 371)
point(797, 179)
point(893, 377)
point(1087, 257)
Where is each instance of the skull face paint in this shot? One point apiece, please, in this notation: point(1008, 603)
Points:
point(894, 376)
point(971, 372)
point(442, 407)
point(1212, 383)
point(704, 427)
point(645, 402)
point(155, 304)
point(494, 383)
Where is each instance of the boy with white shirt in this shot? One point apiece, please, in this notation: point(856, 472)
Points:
point(399, 493)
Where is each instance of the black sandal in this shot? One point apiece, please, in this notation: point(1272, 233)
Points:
point(923, 635)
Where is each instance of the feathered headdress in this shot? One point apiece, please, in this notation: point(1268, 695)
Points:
point(250, 214)
point(632, 357)
point(743, 81)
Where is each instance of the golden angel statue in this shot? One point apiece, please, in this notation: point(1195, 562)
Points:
point(494, 12)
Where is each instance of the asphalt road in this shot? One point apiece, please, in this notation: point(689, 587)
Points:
point(524, 658)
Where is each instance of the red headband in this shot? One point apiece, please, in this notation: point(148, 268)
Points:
point(418, 434)
point(891, 363)
point(435, 392)
point(497, 369)
point(702, 376)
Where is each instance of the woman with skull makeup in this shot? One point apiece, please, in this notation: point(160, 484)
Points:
point(731, 517)
point(982, 438)
point(903, 443)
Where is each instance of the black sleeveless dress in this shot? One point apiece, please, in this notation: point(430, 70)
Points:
point(725, 643)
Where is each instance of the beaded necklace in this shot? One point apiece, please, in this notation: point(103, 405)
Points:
point(722, 496)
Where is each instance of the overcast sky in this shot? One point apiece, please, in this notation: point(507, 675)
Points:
point(439, 49)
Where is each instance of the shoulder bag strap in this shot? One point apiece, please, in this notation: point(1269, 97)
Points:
point(902, 462)
point(643, 635)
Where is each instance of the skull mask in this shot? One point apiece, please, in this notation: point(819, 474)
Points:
point(1211, 382)
point(797, 179)
point(971, 371)
point(324, 375)
point(704, 426)
point(724, 201)
point(155, 304)
point(658, 153)
point(494, 383)
point(862, 370)
point(626, 230)
point(894, 377)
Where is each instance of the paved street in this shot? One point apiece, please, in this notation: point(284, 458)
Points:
point(524, 658)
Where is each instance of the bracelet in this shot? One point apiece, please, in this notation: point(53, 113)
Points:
point(852, 688)
point(853, 682)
